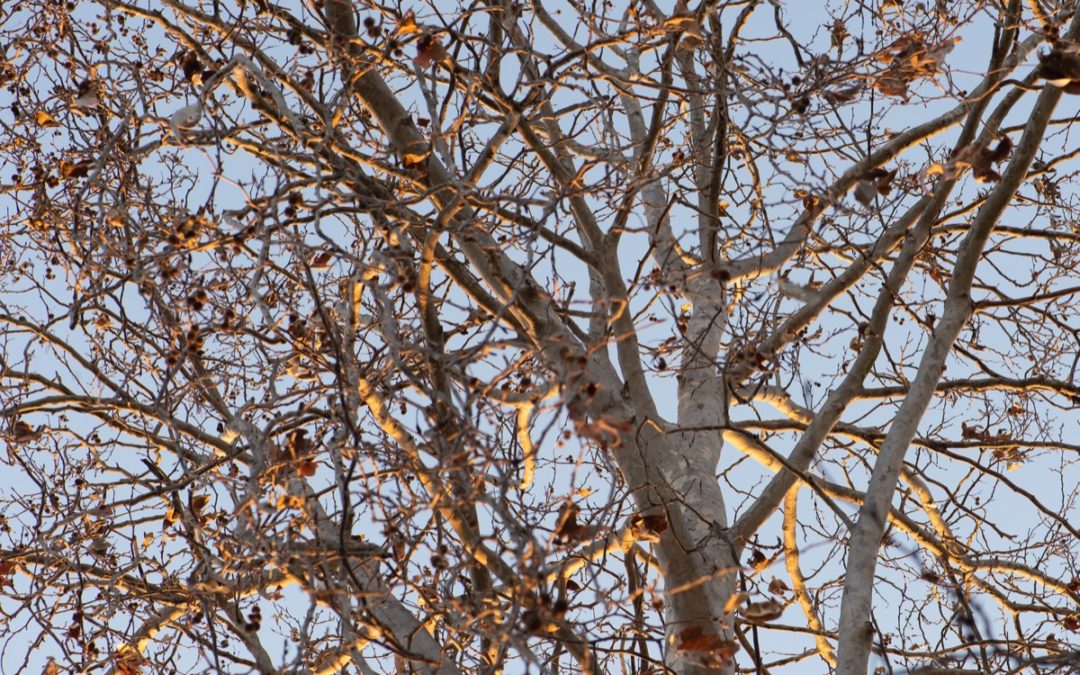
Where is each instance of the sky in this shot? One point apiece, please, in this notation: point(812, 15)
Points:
point(818, 371)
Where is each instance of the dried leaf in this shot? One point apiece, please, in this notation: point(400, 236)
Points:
point(193, 70)
point(838, 34)
point(429, 51)
point(23, 433)
point(129, 663)
point(695, 639)
point(407, 25)
point(198, 503)
point(656, 523)
point(647, 529)
point(760, 612)
point(569, 531)
point(778, 587)
point(758, 561)
point(735, 602)
point(78, 169)
point(297, 444)
point(45, 120)
point(322, 261)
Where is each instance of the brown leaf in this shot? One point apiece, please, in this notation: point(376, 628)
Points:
point(1001, 152)
point(23, 433)
point(407, 25)
point(306, 468)
point(322, 261)
point(75, 170)
point(883, 179)
point(892, 85)
point(734, 602)
point(297, 444)
point(647, 529)
point(129, 663)
point(838, 34)
point(695, 639)
point(760, 612)
point(656, 523)
point(193, 70)
point(778, 587)
point(428, 51)
point(569, 531)
point(758, 560)
point(45, 120)
point(198, 503)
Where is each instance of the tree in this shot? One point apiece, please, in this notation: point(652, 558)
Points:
point(621, 337)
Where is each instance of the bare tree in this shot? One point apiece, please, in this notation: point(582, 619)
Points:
point(532, 336)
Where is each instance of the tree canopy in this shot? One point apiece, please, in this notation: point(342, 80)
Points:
point(539, 336)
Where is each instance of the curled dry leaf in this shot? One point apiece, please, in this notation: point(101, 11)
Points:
point(980, 158)
point(760, 612)
point(45, 120)
point(909, 59)
point(647, 529)
point(758, 560)
point(569, 531)
point(78, 169)
point(708, 644)
point(407, 25)
point(322, 260)
point(198, 503)
point(838, 34)
point(734, 602)
point(429, 50)
point(22, 433)
point(193, 70)
point(778, 587)
point(7, 571)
